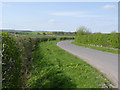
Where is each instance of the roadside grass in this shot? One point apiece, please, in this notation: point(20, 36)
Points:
point(53, 67)
point(104, 49)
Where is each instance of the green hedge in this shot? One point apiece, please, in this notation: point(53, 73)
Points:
point(11, 63)
point(66, 38)
point(17, 57)
point(106, 40)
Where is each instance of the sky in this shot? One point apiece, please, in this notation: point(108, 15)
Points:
point(60, 16)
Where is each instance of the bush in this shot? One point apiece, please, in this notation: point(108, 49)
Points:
point(106, 40)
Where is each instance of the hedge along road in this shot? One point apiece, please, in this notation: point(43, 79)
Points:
point(105, 62)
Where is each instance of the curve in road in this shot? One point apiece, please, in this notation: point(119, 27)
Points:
point(105, 62)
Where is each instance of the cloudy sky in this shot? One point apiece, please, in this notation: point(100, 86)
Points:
point(60, 16)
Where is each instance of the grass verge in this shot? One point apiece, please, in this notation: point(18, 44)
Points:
point(55, 68)
point(104, 49)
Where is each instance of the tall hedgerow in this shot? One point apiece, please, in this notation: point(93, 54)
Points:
point(17, 58)
point(106, 40)
point(11, 63)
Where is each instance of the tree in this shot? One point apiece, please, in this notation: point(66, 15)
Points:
point(83, 31)
point(38, 33)
point(54, 33)
point(44, 33)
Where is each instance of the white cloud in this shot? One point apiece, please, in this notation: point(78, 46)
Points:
point(108, 6)
point(74, 14)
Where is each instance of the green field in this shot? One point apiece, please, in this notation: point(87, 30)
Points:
point(36, 35)
point(56, 68)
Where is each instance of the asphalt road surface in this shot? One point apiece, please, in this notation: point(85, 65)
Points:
point(105, 62)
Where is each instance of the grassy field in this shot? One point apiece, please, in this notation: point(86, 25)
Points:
point(36, 35)
point(56, 68)
point(104, 49)
point(49, 36)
